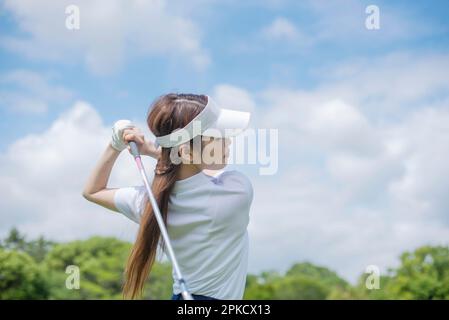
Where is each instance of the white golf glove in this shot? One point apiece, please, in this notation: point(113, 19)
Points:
point(117, 134)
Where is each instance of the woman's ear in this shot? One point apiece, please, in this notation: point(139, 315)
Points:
point(185, 153)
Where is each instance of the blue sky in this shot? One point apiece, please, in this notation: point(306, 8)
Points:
point(230, 33)
point(353, 107)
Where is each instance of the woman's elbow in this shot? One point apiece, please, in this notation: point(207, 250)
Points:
point(104, 198)
point(87, 195)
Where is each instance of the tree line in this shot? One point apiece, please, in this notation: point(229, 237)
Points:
point(38, 269)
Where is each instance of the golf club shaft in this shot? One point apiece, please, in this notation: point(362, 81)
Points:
point(184, 290)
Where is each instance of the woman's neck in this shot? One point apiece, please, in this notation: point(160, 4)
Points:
point(187, 170)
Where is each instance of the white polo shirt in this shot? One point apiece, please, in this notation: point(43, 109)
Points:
point(207, 224)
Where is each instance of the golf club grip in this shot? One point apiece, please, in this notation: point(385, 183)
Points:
point(134, 149)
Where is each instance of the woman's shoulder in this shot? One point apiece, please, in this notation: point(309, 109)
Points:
point(234, 175)
point(235, 180)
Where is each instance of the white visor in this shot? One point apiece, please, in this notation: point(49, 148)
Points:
point(212, 121)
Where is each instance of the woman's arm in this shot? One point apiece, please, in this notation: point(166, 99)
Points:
point(96, 189)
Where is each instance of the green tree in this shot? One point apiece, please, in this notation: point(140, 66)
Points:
point(260, 287)
point(301, 288)
point(14, 241)
point(21, 277)
point(100, 261)
point(37, 270)
point(328, 277)
point(423, 274)
point(382, 293)
point(37, 249)
point(302, 281)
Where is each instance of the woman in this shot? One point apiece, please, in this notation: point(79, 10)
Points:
point(206, 211)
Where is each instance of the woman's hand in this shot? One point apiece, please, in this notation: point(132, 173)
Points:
point(145, 147)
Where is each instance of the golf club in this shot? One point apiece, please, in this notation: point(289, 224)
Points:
point(184, 290)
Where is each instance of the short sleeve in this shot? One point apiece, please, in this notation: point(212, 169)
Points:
point(130, 201)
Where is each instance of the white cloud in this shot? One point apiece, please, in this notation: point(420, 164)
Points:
point(354, 187)
point(43, 175)
point(392, 83)
point(110, 32)
point(282, 29)
point(381, 87)
point(423, 187)
point(348, 210)
point(344, 23)
point(25, 91)
point(359, 181)
point(232, 97)
point(332, 25)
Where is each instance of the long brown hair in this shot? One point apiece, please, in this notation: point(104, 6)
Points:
point(166, 114)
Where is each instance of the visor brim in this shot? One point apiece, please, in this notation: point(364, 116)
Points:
point(229, 123)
